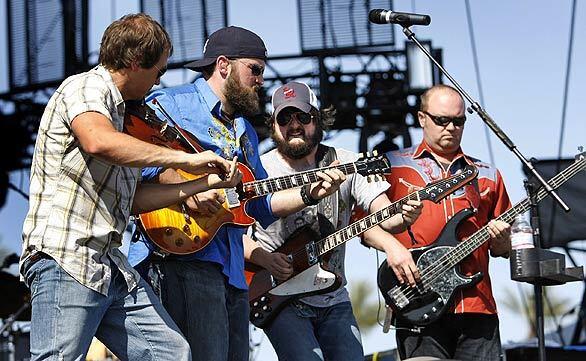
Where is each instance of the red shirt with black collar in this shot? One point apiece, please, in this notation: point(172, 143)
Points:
point(417, 166)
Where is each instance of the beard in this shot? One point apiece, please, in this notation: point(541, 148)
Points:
point(244, 101)
point(299, 150)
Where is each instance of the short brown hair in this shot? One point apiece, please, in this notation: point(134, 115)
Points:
point(133, 37)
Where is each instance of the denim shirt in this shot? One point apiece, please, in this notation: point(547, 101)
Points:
point(196, 109)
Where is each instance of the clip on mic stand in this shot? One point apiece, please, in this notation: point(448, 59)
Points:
point(561, 274)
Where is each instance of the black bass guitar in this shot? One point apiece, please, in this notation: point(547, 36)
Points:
point(308, 253)
point(438, 264)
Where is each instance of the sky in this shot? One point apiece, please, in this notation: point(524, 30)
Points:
point(522, 47)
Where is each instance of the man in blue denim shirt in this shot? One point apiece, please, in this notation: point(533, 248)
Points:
point(206, 292)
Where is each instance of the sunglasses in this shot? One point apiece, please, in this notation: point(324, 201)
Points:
point(160, 72)
point(255, 69)
point(285, 118)
point(443, 121)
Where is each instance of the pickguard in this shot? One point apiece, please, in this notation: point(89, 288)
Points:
point(312, 279)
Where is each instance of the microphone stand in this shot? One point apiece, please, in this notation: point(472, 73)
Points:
point(475, 107)
point(537, 287)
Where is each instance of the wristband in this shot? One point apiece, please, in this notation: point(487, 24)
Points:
point(307, 198)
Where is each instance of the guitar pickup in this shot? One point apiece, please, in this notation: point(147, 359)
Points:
point(311, 253)
point(398, 297)
point(232, 197)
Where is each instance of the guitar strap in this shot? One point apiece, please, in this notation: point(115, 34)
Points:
point(327, 208)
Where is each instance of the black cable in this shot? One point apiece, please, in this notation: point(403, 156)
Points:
point(478, 81)
point(567, 81)
point(526, 307)
point(556, 321)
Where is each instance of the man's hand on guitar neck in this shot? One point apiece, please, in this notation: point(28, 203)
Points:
point(500, 238)
point(331, 180)
point(276, 263)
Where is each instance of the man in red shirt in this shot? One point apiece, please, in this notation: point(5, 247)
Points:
point(470, 330)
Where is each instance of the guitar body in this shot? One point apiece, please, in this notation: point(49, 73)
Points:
point(430, 299)
point(268, 296)
point(178, 230)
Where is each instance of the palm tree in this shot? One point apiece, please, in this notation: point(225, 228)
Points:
point(365, 312)
point(527, 308)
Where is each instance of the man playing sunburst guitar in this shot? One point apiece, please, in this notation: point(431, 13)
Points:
point(205, 292)
point(320, 326)
point(469, 331)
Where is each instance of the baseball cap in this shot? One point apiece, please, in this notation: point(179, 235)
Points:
point(294, 94)
point(232, 42)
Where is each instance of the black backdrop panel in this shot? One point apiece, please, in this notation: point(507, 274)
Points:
point(342, 24)
point(558, 227)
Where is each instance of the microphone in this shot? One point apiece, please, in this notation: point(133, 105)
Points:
point(381, 16)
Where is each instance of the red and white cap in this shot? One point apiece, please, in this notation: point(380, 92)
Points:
point(294, 94)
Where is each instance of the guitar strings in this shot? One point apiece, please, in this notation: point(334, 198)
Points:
point(379, 216)
point(463, 249)
point(274, 184)
point(413, 195)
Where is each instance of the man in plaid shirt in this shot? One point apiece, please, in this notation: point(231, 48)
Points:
point(85, 183)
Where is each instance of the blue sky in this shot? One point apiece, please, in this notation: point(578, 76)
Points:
point(522, 47)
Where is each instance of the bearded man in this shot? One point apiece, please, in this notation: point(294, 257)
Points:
point(205, 292)
point(319, 327)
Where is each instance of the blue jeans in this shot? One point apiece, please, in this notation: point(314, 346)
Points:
point(303, 332)
point(66, 315)
point(212, 314)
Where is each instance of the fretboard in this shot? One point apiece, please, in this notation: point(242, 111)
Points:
point(464, 249)
point(271, 185)
point(345, 234)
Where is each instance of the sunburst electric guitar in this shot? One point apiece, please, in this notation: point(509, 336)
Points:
point(438, 263)
point(308, 254)
point(178, 230)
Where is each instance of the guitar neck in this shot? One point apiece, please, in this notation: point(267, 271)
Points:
point(434, 192)
point(271, 185)
point(464, 249)
point(345, 234)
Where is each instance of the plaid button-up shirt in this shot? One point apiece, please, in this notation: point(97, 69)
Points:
point(79, 205)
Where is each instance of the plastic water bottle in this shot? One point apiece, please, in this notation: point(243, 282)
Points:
point(521, 233)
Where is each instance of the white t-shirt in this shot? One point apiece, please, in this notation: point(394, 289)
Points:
point(356, 189)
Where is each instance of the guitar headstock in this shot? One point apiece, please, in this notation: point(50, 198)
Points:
point(439, 190)
point(373, 165)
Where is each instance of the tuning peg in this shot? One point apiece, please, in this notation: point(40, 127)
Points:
point(369, 178)
point(375, 152)
point(580, 149)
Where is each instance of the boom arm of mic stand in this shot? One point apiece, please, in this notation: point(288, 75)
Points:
point(474, 106)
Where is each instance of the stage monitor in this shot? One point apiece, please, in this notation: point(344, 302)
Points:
point(336, 25)
point(188, 22)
